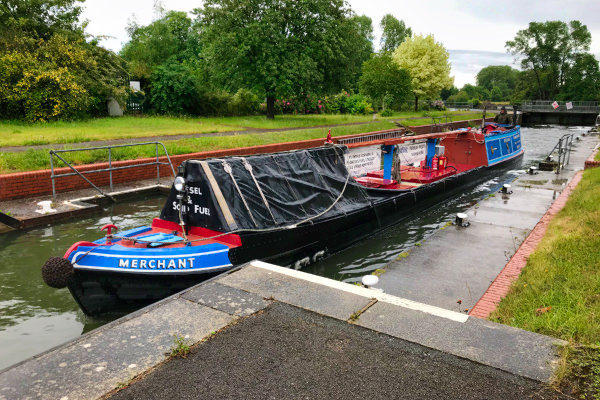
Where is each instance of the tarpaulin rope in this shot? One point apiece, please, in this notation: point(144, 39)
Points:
point(229, 170)
point(249, 168)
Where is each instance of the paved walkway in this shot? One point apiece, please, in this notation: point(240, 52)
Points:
point(264, 331)
point(456, 267)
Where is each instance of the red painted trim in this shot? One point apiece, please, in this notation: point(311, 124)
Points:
point(74, 247)
point(168, 225)
point(232, 239)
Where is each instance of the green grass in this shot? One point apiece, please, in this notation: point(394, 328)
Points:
point(39, 159)
point(558, 292)
point(14, 133)
point(426, 121)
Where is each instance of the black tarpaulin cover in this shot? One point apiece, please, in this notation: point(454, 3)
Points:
point(296, 185)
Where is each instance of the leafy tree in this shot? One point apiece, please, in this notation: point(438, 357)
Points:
point(497, 75)
point(394, 33)
point(356, 46)
point(460, 97)
point(174, 88)
point(171, 35)
point(583, 80)
point(49, 70)
point(384, 81)
point(476, 92)
point(550, 49)
point(39, 19)
point(427, 62)
point(279, 48)
point(448, 92)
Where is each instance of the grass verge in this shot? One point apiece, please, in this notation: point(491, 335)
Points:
point(558, 292)
point(31, 160)
point(14, 133)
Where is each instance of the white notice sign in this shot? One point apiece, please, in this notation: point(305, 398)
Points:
point(412, 153)
point(361, 160)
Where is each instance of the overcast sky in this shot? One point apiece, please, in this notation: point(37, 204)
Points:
point(473, 31)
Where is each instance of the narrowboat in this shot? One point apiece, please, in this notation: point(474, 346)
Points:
point(291, 208)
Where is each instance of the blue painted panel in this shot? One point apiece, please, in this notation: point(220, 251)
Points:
point(182, 260)
point(506, 145)
point(516, 141)
point(502, 146)
point(493, 149)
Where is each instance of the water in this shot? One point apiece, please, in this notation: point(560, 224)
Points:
point(35, 317)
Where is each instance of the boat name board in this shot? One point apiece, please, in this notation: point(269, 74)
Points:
point(134, 263)
point(361, 160)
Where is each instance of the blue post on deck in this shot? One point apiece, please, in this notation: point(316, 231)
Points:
point(430, 151)
point(388, 161)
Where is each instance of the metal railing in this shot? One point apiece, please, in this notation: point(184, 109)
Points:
point(441, 122)
point(562, 106)
point(564, 145)
point(393, 134)
point(110, 169)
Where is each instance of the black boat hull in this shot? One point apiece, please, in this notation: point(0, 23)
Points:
point(101, 292)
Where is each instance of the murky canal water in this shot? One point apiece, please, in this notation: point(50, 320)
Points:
point(35, 318)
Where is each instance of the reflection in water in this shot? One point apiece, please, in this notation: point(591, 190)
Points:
point(34, 317)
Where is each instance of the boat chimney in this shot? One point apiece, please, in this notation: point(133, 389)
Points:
point(461, 220)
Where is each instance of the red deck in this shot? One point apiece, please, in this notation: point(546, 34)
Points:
point(195, 235)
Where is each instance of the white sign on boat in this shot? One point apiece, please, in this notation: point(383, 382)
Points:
point(361, 160)
point(412, 153)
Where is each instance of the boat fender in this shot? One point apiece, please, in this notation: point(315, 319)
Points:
point(57, 272)
point(319, 255)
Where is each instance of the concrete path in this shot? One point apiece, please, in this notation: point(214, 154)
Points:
point(454, 267)
point(271, 332)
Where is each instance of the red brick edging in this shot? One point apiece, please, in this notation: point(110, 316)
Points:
point(590, 162)
point(501, 285)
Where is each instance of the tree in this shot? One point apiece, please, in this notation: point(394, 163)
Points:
point(384, 81)
point(39, 19)
point(427, 62)
point(550, 49)
point(279, 47)
point(171, 35)
point(447, 92)
point(394, 32)
point(497, 75)
point(583, 80)
point(49, 70)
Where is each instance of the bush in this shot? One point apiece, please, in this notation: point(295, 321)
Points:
point(244, 102)
point(174, 88)
point(476, 102)
point(358, 104)
point(386, 113)
point(336, 104)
